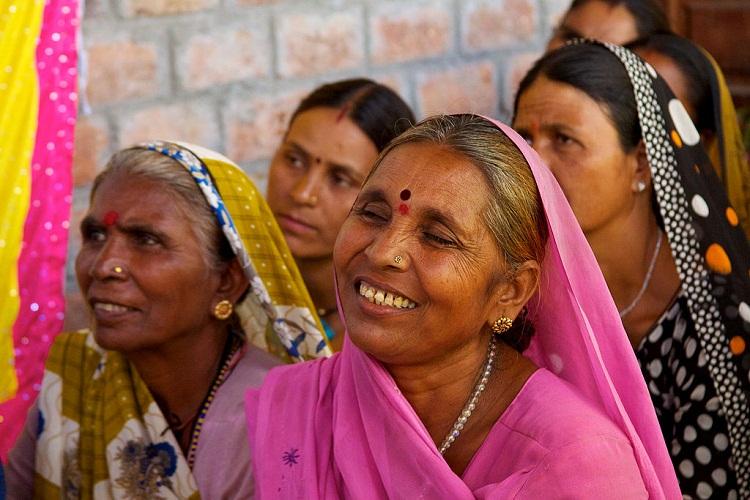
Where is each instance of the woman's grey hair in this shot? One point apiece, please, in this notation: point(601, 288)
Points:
point(142, 163)
point(514, 212)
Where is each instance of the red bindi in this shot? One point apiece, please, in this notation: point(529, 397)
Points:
point(405, 194)
point(110, 218)
point(403, 209)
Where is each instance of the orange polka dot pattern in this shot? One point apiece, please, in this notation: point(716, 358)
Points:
point(710, 251)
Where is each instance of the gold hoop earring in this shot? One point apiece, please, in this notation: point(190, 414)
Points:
point(502, 325)
point(223, 310)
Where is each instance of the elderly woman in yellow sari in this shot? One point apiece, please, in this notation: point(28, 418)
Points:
point(184, 269)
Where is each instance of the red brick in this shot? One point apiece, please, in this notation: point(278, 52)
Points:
point(518, 66)
point(490, 24)
point(193, 122)
point(463, 89)
point(255, 124)
point(92, 141)
point(395, 82)
point(223, 55)
point(309, 44)
point(164, 7)
point(120, 70)
point(417, 31)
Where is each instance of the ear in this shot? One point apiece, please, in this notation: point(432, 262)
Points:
point(233, 283)
point(511, 294)
point(641, 168)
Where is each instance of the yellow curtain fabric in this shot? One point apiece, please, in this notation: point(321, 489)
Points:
point(20, 22)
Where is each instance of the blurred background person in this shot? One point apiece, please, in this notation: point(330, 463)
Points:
point(333, 138)
point(698, 82)
point(614, 21)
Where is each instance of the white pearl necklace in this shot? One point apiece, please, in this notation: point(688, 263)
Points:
point(471, 404)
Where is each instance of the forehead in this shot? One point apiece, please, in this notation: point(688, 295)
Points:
point(600, 21)
point(325, 131)
point(434, 174)
point(137, 197)
point(548, 101)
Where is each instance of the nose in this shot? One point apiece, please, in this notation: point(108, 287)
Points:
point(391, 249)
point(306, 189)
point(110, 262)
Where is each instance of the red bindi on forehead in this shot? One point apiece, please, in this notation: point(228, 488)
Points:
point(403, 208)
point(110, 218)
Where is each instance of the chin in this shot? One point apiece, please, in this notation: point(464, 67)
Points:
point(112, 339)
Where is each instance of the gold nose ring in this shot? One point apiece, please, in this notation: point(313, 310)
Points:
point(397, 259)
point(117, 269)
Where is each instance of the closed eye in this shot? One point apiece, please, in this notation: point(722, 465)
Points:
point(372, 212)
point(439, 240)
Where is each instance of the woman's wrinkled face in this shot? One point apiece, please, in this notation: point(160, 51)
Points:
point(314, 178)
point(415, 262)
point(578, 141)
point(141, 268)
point(598, 21)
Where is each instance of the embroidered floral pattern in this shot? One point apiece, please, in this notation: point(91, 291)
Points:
point(145, 468)
point(290, 457)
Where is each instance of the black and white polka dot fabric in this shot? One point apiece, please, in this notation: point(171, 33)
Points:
point(708, 246)
point(691, 417)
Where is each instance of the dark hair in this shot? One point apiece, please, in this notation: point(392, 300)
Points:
point(649, 15)
point(695, 68)
point(593, 69)
point(376, 109)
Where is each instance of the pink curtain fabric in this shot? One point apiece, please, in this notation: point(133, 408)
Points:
point(341, 424)
point(41, 266)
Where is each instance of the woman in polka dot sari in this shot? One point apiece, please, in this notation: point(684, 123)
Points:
point(674, 256)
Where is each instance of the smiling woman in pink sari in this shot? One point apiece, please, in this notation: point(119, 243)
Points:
point(475, 363)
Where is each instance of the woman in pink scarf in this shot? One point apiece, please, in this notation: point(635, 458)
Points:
point(456, 258)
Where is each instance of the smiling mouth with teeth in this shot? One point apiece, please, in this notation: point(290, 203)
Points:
point(108, 307)
point(383, 298)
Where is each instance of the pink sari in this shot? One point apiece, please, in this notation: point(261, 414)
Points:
point(582, 426)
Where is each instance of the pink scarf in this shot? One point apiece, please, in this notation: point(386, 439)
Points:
point(319, 423)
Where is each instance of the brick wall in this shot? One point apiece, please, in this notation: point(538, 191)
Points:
point(226, 73)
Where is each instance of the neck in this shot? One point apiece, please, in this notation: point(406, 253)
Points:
point(318, 277)
point(624, 250)
point(444, 383)
point(180, 374)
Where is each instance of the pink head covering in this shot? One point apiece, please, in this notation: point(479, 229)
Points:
point(380, 441)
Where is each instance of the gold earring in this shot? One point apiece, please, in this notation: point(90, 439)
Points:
point(502, 325)
point(223, 310)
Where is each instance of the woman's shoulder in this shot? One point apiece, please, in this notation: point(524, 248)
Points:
point(554, 414)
